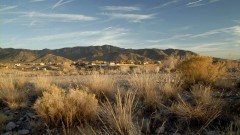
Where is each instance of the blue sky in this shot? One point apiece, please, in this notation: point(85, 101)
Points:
point(208, 27)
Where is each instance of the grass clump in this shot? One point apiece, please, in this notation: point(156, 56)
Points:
point(146, 86)
point(200, 69)
point(101, 85)
point(204, 108)
point(119, 116)
point(66, 109)
point(12, 92)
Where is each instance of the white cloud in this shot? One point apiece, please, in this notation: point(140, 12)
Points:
point(234, 30)
point(59, 17)
point(121, 8)
point(61, 2)
point(166, 4)
point(212, 1)
point(195, 3)
point(130, 17)
point(5, 8)
point(108, 35)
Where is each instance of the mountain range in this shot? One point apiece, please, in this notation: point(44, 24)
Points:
point(89, 53)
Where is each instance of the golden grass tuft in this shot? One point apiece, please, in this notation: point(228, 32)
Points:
point(119, 116)
point(42, 83)
point(204, 108)
point(12, 92)
point(146, 86)
point(101, 85)
point(66, 109)
point(200, 69)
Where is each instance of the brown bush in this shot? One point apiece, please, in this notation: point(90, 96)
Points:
point(204, 108)
point(119, 116)
point(200, 69)
point(12, 92)
point(66, 109)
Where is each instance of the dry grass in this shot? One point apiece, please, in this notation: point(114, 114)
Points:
point(101, 85)
point(42, 83)
point(12, 92)
point(146, 86)
point(200, 69)
point(119, 116)
point(203, 109)
point(66, 109)
point(170, 90)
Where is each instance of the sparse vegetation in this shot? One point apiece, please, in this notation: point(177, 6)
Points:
point(101, 85)
point(204, 108)
point(119, 116)
point(147, 87)
point(66, 108)
point(139, 100)
point(12, 92)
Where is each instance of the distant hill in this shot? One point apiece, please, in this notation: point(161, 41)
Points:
point(51, 58)
point(105, 52)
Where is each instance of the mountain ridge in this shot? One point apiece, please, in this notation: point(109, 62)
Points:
point(90, 53)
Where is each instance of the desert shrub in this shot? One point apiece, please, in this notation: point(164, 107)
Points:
point(101, 85)
point(146, 86)
point(12, 92)
point(119, 116)
point(200, 69)
point(170, 90)
point(204, 108)
point(66, 109)
point(42, 83)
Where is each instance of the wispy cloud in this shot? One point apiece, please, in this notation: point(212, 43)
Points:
point(5, 8)
point(166, 4)
point(235, 30)
point(212, 1)
point(195, 3)
point(130, 17)
point(121, 8)
point(61, 2)
point(59, 17)
point(110, 35)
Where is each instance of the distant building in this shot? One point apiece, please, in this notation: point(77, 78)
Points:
point(18, 65)
point(112, 64)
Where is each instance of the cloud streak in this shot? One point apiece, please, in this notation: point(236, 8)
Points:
point(195, 3)
point(130, 17)
point(59, 17)
point(61, 2)
point(121, 8)
point(5, 8)
point(166, 4)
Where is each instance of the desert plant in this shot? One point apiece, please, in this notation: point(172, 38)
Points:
point(204, 108)
point(12, 92)
point(146, 86)
point(119, 116)
point(101, 85)
point(66, 109)
point(200, 69)
point(41, 84)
